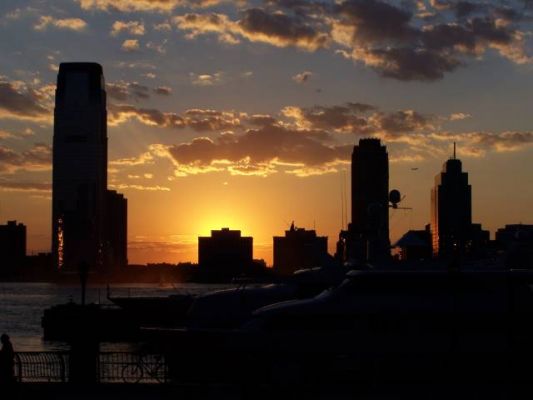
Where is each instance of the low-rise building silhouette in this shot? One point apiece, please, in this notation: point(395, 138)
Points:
point(415, 245)
point(12, 245)
point(299, 248)
point(225, 253)
point(517, 242)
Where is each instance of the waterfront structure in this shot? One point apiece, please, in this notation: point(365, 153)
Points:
point(367, 237)
point(12, 245)
point(116, 229)
point(299, 248)
point(452, 231)
point(80, 221)
point(225, 253)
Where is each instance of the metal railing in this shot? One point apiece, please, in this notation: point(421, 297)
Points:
point(112, 367)
point(45, 366)
point(132, 368)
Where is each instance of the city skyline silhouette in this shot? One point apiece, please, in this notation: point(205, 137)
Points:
point(270, 132)
point(244, 199)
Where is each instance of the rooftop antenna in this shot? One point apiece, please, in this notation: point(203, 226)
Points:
point(344, 205)
point(344, 212)
point(454, 150)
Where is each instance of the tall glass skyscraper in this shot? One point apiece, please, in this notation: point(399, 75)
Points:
point(79, 166)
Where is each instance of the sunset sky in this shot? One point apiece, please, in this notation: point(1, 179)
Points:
point(244, 113)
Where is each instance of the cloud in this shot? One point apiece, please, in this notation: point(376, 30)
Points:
point(388, 37)
point(20, 101)
point(130, 27)
point(477, 144)
point(159, 48)
point(143, 176)
point(359, 118)
point(156, 188)
point(275, 149)
point(304, 141)
point(226, 30)
point(470, 144)
point(136, 65)
point(130, 45)
point(120, 113)
point(260, 152)
point(37, 158)
point(143, 159)
point(163, 90)
point(501, 142)
point(144, 5)
point(150, 247)
point(196, 119)
point(261, 120)
point(389, 40)
point(354, 118)
point(212, 120)
point(376, 21)
point(123, 91)
point(281, 30)
point(255, 25)
point(73, 24)
point(302, 77)
point(11, 186)
point(404, 122)
point(163, 27)
point(5, 134)
point(206, 79)
point(459, 116)
point(404, 63)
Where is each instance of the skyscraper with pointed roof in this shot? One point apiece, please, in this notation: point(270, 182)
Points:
point(452, 231)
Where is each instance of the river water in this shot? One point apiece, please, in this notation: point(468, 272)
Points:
point(22, 306)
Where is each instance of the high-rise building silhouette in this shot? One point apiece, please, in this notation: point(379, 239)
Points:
point(452, 231)
point(367, 237)
point(299, 248)
point(80, 223)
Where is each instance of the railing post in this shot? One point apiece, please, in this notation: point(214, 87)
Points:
point(83, 362)
point(19, 367)
point(62, 367)
point(98, 372)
